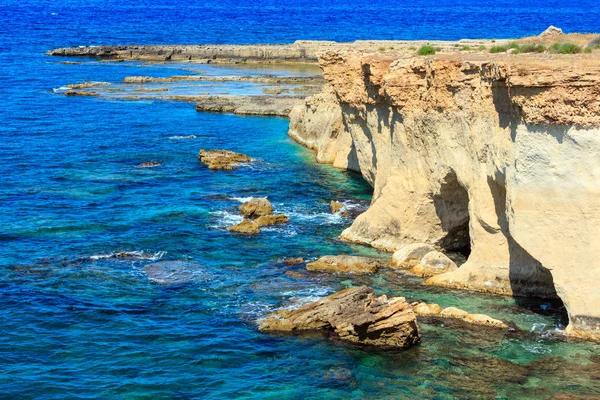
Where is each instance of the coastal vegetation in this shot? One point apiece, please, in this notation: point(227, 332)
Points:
point(426, 50)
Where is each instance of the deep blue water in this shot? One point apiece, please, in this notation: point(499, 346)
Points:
point(74, 323)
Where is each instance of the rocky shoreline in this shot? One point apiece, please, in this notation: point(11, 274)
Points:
point(492, 155)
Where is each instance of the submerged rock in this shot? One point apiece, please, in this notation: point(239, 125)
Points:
point(149, 164)
point(355, 315)
point(410, 255)
point(268, 220)
point(256, 207)
point(174, 272)
point(246, 227)
point(346, 264)
point(434, 263)
point(80, 93)
point(222, 159)
point(293, 261)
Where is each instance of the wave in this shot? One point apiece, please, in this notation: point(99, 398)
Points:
point(188, 137)
point(226, 218)
point(138, 255)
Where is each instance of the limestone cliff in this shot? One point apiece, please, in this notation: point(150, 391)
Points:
point(496, 156)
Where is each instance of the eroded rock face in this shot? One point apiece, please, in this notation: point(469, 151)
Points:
point(256, 207)
point(493, 155)
point(222, 159)
point(345, 264)
point(355, 315)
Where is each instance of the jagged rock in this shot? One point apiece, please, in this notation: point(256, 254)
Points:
point(345, 264)
point(256, 207)
point(174, 272)
point(149, 164)
point(355, 315)
point(222, 159)
point(246, 227)
point(267, 220)
point(410, 255)
point(427, 309)
point(293, 261)
point(434, 263)
point(551, 31)
point(335, 206)
point(87, 85)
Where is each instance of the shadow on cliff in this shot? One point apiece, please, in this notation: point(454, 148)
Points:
point(528, 277)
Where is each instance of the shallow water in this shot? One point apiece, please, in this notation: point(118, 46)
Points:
point(79, 319)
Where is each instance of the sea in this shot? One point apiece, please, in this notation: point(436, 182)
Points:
point(82, 315)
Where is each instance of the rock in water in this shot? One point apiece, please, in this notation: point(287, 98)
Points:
point(221, 159)
point(410, 255)
point(351, 264)
point(246, 227)
point(268, 220)
point(355, 315)
point(434, 263)
point(551, 31)
point(256, 207)
point(335, 206)
point(149, 164)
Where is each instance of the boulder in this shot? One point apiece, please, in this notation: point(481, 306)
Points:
point(256, 207)
point(222, 159)
point(594, 43)
point(345, 264)
point(453, 312)
point(425, 309)
point(80, 93)
point(268, 220)
point(410, 255)
point(552, 31)
point(246, 227)
point(434, 263)
point(355, 315)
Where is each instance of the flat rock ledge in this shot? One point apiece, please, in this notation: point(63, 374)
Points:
point(354, 315)
point(435, 310)
point(222, 159)
point(346, 264)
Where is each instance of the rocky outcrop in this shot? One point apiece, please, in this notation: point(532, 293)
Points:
point(222, 159)
point(434, 263)
point(495, 156)
point(355, 315)
point(278, 106)
point(269, 220)
point(435, 310)
point(411, 255)
point(256, 207)
point(346, 264)
point(246, 227)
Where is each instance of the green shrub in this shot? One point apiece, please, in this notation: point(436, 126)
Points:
point(438, 48)
point(498, 49)
point(482, 47)
point(412, 48)
point(466, 48)
point(426, 50)
point(587, 50)
point(382, 49)
point(532, 48)
point(565, 48)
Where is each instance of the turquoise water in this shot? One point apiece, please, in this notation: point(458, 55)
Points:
point(77, 322)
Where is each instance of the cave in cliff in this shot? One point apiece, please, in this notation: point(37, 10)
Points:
point(452, 207)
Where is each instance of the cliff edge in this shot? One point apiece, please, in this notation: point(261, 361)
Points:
point(497, 156)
